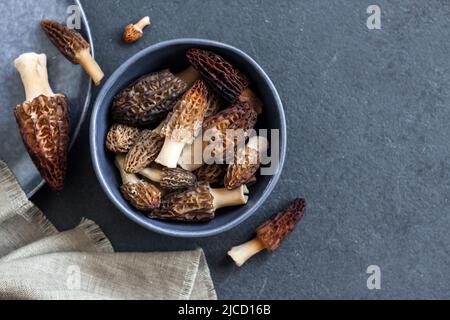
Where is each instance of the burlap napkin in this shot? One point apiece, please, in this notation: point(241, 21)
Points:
point(38, 262)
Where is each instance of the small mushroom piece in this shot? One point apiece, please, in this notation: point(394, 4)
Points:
point(133, 32)
point(151, 97)
point(198, 204)
point(170, 179)
point(74, 47)
point(140, 194)
point(246, 165)
point(213, 174)
point(224, 77)
point(239, 116)
point(144, 151)
point(121, 138)
point(183, 124)
point(43, 120)
point(271, 234)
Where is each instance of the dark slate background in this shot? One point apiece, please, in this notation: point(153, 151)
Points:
point(368, 124)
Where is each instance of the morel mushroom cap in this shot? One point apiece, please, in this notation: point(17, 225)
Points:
point(170, 179)
point(140, 194)
point(144, 152)
point(183, 124)
point(74, 47)
point(239, 116)
point(213, 174)
point(271, 234)
point(246, 165)
point(148, 99)
point(133, 32)
point(121, 138)
point(198, 204)
point(43, 120)
point(224, 77)
point(215, 104)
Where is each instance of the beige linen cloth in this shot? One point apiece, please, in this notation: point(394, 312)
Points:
point(38, 262)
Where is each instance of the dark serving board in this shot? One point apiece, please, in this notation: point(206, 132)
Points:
point(20, 32)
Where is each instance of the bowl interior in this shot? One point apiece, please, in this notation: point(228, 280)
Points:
point(171, 55)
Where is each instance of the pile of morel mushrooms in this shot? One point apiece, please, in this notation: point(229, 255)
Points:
point(160, 174)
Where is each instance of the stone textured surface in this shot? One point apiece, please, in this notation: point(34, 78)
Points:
point(368, 122)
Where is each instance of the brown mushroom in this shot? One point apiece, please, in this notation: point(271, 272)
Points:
point(140, 194)
point(271, 234)
point(151, 97)
point(215, 104)
point(121, 138)
point(183, 124)
point(198, 204)
point(213, 174)
point(133, 32)
point(73, 46)
point(247, 164)
point(239, 116)
point(170, 179)
point(43, 120)
point(224, 77)
point(144, 151)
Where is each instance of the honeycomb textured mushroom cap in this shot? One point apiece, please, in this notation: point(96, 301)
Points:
point(177, 178)
point(274, 231)
point(213, 174)
point(215, 104)
point(192, 205)
point(142, 195)
point(121, 138)
point(186, 119)
point(148, 99)
point(144, 151)
point(44, 126)
point(219, 73)
point(132, 34)
point(67, 41)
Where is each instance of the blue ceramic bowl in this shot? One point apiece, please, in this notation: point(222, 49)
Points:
point(171, 54)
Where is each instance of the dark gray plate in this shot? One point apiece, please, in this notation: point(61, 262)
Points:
point(20, 32)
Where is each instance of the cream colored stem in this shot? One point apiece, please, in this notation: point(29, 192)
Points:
point(192, 155)
point(190, 75)
point(126, 177)
point(91, 66)
point(170, 153)
point(242, 253)
point(33, 71)
point(229, 198)
point(152, 174)
point(144, 22)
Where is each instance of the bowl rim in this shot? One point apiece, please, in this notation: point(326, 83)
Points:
point(141, 219)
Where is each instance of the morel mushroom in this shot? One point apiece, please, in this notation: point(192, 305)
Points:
point(133, 32)
point(213, 174)
point(170, 179)
point(224, 77)
point(74, 47)
point(144, 151)
point(151, 97)
point(215, 104)
point(240, 116)
point(271, 234)
point(121, 138)
point(43, 120)
point(184, 124)
point(198, 204)
point(140, 194)
point(247, 164)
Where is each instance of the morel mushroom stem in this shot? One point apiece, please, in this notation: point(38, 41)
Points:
point(152, 174)
point(170, 153)
point(242, 253)
point(190, 75)
point(33, 71)
point(270, 234)
point(229, 198)
point(90, 66)
point(144, 22)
